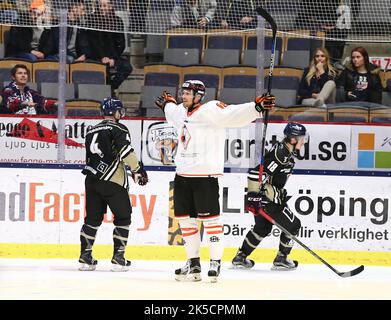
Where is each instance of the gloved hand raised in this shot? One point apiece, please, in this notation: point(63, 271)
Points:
point(165, 98)
point(265, 102)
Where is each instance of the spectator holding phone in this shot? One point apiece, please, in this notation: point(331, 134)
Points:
point(360, 80)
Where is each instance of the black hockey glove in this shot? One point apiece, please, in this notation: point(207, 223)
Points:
point(165, 98)
point(265, 102)
point(140, 176)
point(254, 202)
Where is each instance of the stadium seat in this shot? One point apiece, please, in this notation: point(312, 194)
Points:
point(50, 90)
point(221, 57)
point(386, 98)
point(225, 42)
point(1, 51)
point(88, 73)
point(82, 108)
point(239, 77)
point(348, 114)
point(210, 76)
point(252, 40)
point(150, 93)
point(7, 64)
point(47, 71)
point(237, 95)
point(162, 75)
point(181, 57)
point(190, 41)
point(93, 91)
point(154, 113)
point(298, 44)
point(250, 58)
point(380, 115)
point(296, 59)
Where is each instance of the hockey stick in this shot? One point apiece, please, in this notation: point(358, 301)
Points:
point(262, 12)
point(341, 274)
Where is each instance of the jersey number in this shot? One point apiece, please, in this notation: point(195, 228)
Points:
point(272, 166)
point(94, 147)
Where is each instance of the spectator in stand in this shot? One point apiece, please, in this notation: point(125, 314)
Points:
point(107, 47)
point(361, 80)
point(317, 85)
point(18, 98)
point(193, 13)
point(8, 12)
point(30, 43)
point(77, 44)
point(237, 14)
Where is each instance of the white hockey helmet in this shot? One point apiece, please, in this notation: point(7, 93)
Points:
point(197, 86)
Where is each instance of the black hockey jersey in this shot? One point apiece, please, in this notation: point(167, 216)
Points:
point(278, 166)
point(107, 144)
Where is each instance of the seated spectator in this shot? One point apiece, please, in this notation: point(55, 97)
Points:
point(193, 13)
point(106, 46)
point(236, 14)
point(18, 98)
point(360, 80)
point(317, 86)
point(30, 43)
point(77, 44)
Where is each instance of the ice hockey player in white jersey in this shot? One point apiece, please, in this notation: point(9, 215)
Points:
point(199, 162)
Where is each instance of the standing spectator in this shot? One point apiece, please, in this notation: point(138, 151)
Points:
point(317, 85)
point(237, 14)
point(77, 43)
point(199, 162)
point(18, 98)
point(360, 80)
point(108, 46)
point(30, 43)
point(193, 13)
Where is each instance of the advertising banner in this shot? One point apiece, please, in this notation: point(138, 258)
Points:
point(47, 206)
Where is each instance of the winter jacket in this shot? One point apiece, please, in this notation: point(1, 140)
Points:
point(316, 84)
point(366, 87)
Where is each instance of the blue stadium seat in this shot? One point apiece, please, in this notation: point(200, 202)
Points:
point(225, 42)
point(46, 71)
point(252, 43)
point(162, 75)
point(88, 73)
point(186, 42)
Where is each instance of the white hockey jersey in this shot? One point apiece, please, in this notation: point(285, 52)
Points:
point(202, 134)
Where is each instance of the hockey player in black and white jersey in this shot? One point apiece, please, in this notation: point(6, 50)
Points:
point(272, 197)
point(199, 162)
point(109, 156)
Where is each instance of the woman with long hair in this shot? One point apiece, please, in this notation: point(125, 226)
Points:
point(360, 79)
point(317, 85)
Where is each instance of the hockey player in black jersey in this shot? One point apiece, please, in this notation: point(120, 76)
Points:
point(271, 198)
point(109, 155)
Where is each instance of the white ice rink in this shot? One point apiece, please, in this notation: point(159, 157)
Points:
point(153, 280)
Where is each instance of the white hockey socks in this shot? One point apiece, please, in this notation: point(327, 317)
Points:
point(215, 237)
point(191, 237)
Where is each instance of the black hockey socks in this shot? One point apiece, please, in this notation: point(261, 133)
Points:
point(250, 243)
point(87, 237)
point(120, 238)
point(286, 244)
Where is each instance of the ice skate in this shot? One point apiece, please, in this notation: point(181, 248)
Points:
point(87, 262)
point(190, 272)
point(283, 263)
point(214, 270)
point(240, 261)
point(119, 263)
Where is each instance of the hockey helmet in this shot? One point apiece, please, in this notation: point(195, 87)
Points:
point(294, 130)
point(110, 105)
point(197, 86)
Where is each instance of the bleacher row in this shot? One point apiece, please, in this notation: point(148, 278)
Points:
point(237, 84)
point(86, 83)
point(236, 48)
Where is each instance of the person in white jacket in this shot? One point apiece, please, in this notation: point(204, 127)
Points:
point(199, 161)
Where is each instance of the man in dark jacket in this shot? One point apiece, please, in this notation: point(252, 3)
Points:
point(106, 46)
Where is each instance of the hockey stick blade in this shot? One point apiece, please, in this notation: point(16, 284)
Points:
point(351, 273)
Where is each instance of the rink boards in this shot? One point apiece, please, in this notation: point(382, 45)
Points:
point(340, 190)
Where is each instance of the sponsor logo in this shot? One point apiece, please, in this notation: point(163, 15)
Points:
point(162, 142)
point(371, 153)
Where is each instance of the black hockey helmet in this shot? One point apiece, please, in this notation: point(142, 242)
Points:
point(294, 130)
point(110, 105)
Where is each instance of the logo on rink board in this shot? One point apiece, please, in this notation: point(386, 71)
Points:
point(162, 142)
point(371, 155)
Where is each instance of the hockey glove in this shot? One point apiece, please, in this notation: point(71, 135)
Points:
point(254, 202)
point(165, 98)
point(139, 175)
point(265, 102)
